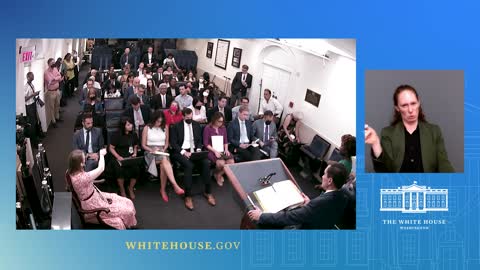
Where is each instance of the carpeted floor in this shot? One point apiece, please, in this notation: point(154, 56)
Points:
point(152, 211)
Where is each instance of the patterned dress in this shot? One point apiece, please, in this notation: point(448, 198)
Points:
point(122, 211)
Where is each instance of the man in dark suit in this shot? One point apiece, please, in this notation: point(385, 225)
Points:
point(172, 90)
point(186, 138)
point(323, 212)
point(90, 140)
point(266, 131)
point(139, 114)
point(240, 136)
point(150, 59)
point(126, 58)
point(132, 90)
point(158, 76)
point(241, 82)
point(111, 81)
point(223, 108)
point(161, 101)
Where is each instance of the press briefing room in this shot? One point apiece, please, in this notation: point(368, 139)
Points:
point(185, 134)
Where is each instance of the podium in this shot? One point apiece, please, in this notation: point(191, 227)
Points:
point(245, 176)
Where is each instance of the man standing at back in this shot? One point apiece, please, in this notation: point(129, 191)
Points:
point(52, 79)
point(241, 82)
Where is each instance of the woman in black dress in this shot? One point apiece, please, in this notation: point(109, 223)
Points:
point(125, 145)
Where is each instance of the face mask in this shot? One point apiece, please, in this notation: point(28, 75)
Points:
point(268, 122)
point(198, 107)
point(205, 94)
point(92, 97)
point(173, 108)
point(52, 65)
point(188, 121)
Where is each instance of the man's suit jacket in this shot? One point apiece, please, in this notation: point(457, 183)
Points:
point(145, 113)
point(177, 133)
point(233, 132)
point(130, 60)
point(157, 78)
point(169, 91)
point(107, 83)
point(237, 83)
point(96, 138)
point(259, 130)
point(130, 91)
point(227, 111)
point(322, 212)
point(154, 59)
point(156, 102)
point(434, 155)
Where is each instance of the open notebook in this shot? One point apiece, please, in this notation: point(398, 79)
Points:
point(280, 195)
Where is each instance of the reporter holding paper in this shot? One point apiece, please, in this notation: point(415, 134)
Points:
point(125, 145)
point(218, 151)
point(322, 212)
point(155, 139)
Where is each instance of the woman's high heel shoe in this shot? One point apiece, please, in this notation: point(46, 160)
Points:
point(179, 191)
point(164, 196)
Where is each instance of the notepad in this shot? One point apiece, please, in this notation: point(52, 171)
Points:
point(217, 143)
point(279, 196)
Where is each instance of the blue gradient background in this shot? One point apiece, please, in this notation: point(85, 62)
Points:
point(404, 35)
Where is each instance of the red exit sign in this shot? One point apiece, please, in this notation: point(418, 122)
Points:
point(27, 56)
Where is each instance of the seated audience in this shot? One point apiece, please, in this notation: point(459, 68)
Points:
point(322, 212)
point(199, 111)
point(144, 99)
point(93, 101)
point(190, 77)
point(172, 89)
point(168, 71)
point(125, 145)
point(132, 90)
point(122, 212)
point(206, 96)
point(158, 77)
point(173, 115)
point(89, 86)
point(266, 131)
point(272, 104)
point(184, 100)
point(127, 84)
point(96, 84)
point(161, 101)
point(186, 138)
point(244, 101)
point(112, 92)
point(151, 89)
point(89, 139)
point(155, 138)
point(201, 83)
point(240, 137)
point(219, 158)
point(223, 108)
point(140, 114)
point(111, 82)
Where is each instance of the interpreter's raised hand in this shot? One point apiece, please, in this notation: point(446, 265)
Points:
point(371, 136)
point(103, 152)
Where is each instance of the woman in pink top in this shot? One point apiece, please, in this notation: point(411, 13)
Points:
point(122, 212)
point(173, 115)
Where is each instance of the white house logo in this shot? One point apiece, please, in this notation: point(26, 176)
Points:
point(414, 199)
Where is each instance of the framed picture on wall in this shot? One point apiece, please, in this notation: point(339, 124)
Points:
point(209, 49)
point(312, 98)
point(222, 53)
point(237, 57)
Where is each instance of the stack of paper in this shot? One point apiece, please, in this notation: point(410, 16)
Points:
point(279, 196)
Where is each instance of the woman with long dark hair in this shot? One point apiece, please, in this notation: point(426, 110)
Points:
point(155, 143)
point(125, 145)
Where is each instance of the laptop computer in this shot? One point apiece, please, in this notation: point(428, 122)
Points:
point(133, 161)
point(199, 155)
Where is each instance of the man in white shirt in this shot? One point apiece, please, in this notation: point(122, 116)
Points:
point(183, 99)
point(31, 108)
point(161, 100)
point(270, 104)
point(185, 139)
